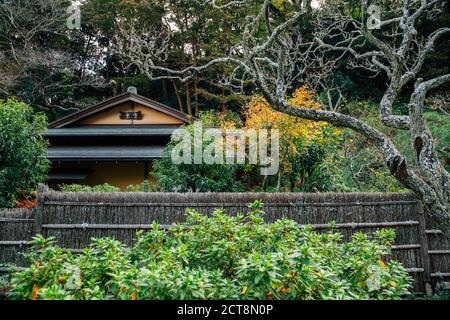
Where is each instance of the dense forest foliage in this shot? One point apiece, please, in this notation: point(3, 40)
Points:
point(59, 71)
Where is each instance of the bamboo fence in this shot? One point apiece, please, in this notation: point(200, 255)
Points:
point(75, 218)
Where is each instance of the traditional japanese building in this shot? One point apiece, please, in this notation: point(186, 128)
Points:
point(113, 142)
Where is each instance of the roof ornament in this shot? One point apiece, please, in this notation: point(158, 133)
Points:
point(132, 90)
point(131, 115)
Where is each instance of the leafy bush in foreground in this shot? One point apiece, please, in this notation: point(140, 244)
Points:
point(218, 257)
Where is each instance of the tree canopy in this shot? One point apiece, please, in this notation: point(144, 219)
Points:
point(386, 87)
point(23, 162)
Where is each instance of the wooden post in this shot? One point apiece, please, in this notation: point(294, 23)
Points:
point(425, 257)
point(39, 218)
point(146, 170)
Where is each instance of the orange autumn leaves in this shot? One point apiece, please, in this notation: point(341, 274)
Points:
point(35, 292)
point(25, 203)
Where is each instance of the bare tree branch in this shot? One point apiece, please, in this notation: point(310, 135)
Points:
point(274, 60)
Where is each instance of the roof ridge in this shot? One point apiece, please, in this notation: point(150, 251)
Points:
point(114, 101)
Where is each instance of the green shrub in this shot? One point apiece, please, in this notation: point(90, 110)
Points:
point(23, 162)
point(173, 177)
point(218, 257)
point(4, 283)
point(81, 188)
point(145, 186)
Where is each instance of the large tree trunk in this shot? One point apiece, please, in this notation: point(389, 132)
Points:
point(177, 94)
point(434, 190)
point(164, 89)
point(430, 182)
point(196, 108)
point(187, 92)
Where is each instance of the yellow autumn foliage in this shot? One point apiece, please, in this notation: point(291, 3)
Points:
point(260, 115)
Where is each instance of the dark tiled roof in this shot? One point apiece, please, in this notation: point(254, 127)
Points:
point(74, 176)
point(154, 130)
point(86, 153)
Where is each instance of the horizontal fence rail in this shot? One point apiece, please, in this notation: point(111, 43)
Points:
point(75, 218)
